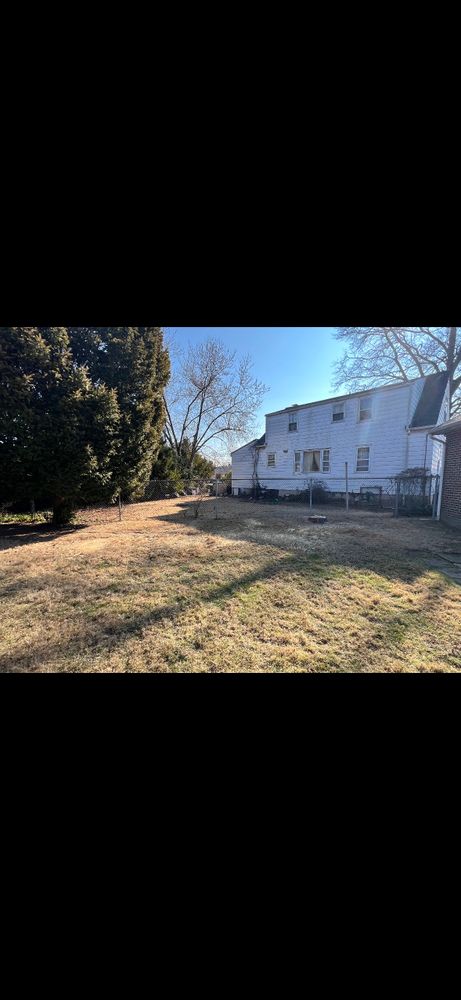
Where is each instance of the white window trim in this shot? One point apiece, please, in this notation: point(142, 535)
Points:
point(302, 452)
point(326, 472)
point(370, 407)
point(361, 472)
point(272, 454)
point(333, 413)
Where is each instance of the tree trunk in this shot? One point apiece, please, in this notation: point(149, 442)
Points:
point(62, 513)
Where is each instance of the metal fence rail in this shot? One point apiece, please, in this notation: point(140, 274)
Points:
point(403, 494)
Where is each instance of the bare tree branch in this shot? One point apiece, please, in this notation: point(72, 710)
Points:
point(213, 396)
point(375, 356)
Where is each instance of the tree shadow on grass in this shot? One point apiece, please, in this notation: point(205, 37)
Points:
point(350, 550)
point(111, 635)
point(107, 632)
point(13, 535)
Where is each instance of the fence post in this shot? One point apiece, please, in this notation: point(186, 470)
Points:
point(397, 498)
point(32, 509)
point(216, 487)
point(310, 495)
point(347, 485)
point(120, 508)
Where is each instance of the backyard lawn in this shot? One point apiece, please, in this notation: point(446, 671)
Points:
point(259, 588)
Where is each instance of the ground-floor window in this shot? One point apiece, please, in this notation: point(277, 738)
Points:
point(271, 460)
point(311, 462)
point(363, 460)
point(315, 460)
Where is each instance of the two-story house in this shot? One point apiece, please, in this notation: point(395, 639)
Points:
point(379, 433)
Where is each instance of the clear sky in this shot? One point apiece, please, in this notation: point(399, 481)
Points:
point(295, 362)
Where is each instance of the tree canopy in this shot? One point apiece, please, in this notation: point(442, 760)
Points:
point(81, 412)
point(376, 355)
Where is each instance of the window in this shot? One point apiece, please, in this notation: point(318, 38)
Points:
point(271, 460)
point(326, 460)
point(297, 461)
point(292, 422)
point(365, 408)
point(363, 459)
point(311, 461)
point(338, 412)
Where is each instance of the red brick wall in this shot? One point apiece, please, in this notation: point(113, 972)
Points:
point(450, 511)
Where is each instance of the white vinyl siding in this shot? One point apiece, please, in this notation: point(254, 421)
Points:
point(338, 412)
point(363, 460)
point(271, 460)
point(365, 412)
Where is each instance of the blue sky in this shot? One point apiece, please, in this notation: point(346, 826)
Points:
point(296, 362)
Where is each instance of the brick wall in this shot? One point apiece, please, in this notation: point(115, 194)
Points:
point(450, 511)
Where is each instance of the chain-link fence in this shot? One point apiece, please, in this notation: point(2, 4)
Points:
point(405, 494)
point(157, 490)
point(415, 494)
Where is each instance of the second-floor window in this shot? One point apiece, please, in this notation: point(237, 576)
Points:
point(292, 422)
point(271, 460)
point(338, 412)
point(365, 408)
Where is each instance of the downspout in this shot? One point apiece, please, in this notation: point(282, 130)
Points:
point(442, 470)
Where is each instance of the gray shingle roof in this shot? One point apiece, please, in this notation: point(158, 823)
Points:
point(454, 424)
point(430, 401)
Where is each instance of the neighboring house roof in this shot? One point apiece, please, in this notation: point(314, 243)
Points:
point(257, 442)
point(428, 408)
point(454, 424)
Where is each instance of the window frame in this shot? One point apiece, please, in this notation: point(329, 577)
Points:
point(361, 447)
point(292, 419)
point(326, 471)
point(272, 454)
point(295, 463)
point(333, 413)
point(369, 407)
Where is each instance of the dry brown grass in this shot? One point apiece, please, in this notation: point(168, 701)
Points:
point(260, 589)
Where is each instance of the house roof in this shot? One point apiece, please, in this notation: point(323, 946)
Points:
point(430, 401)
point(349, 395)
point(257, 442)
point(454, 424)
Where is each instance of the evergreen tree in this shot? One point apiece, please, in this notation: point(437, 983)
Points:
point(59, 431)
point(180, 470)
point(134, 362)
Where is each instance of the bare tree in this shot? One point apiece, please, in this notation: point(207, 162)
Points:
point(376, 355)
point(212, 400)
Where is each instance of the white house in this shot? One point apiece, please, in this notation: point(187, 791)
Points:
point(379, 433)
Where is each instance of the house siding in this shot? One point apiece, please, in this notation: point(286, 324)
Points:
point(393, 447)
point(450, 510)
point(384, 434)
